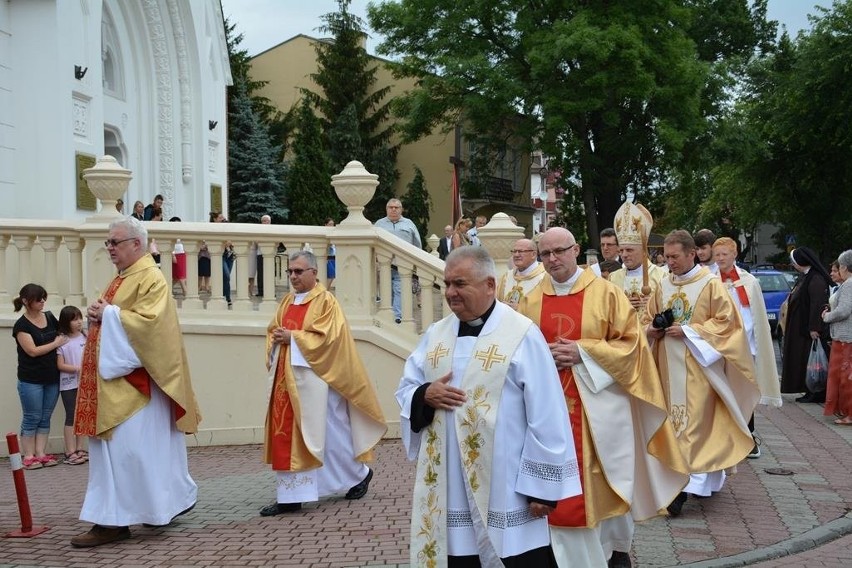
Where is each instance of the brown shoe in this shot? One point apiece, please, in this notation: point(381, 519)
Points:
point(99, 535)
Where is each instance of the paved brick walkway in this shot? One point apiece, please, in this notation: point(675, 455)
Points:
point(758, 518)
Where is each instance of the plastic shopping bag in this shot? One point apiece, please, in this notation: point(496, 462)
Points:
point(817, 375)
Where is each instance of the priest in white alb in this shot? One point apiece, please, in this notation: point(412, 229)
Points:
point(135, 400)
point(482, 414)
point(746, 293)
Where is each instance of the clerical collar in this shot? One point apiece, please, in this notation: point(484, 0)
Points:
point(474, 327)
point(299, 297)
point(563, 288)
point(528, 269)
point(688, 274)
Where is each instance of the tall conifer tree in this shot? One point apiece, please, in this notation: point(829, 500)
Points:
point(354, 114)
point(311, 196)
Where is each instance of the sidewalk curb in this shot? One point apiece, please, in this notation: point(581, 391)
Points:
point(800, 543)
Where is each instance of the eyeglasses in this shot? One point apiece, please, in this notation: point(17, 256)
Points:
point(114, 243)
point(520, 251)
point(558, 251)
point(298, 271)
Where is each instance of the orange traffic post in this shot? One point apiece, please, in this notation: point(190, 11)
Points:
point(27, 529)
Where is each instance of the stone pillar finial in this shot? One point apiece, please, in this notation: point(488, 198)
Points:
point(108, 181)
point(355, 187)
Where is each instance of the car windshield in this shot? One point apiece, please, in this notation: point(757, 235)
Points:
point(773, 283)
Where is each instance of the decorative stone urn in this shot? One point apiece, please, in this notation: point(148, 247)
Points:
point(108, 181)
point(355, 187)
point(498, 237)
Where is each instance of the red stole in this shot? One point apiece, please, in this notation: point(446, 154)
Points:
point(562, 317)
point(282, 416)
point(733, 276)
point(86, 411)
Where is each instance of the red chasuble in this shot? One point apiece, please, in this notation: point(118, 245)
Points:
point(283, 421)
point(562, 317)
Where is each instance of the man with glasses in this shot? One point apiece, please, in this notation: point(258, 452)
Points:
point(323, 418)
point(631, 467)
point(528, 272)
point(405, 229)
point(135, 400)
point(609, 248)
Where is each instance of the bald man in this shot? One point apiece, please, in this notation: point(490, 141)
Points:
point(631, 465)
point(525, 275)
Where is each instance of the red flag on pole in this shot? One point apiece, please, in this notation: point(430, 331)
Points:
point(456, 197)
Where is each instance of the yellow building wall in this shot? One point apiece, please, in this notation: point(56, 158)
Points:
point(288, 67)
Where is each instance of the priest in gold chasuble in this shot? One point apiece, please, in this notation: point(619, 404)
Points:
point(481, 413)
point(630, 465)
point(707, 370)
point(324, 417)
point(135, 400)
point(526, 274)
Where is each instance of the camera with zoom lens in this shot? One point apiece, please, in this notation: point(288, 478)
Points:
point(663, 320)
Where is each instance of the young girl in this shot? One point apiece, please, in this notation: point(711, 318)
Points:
point(69, 359)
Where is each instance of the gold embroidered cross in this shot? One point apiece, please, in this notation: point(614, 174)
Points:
point(489, 357)
point(435, 355)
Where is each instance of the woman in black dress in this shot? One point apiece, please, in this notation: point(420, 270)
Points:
point(804, 323)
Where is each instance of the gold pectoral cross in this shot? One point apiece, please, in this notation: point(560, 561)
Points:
point(489, 357)
point(435, 355)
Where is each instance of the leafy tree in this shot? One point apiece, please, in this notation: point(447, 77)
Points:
point(792, 165)
point(254, 169)
point(354, 113)
point(611, 91)
point(311, 196)
point(418, 203)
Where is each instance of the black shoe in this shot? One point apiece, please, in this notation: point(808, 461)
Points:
point(361, 489)
point(185, 511)
point(279, 508)
point(676, 506)
point(818, 397)
point(807, 397)
point(619, 560)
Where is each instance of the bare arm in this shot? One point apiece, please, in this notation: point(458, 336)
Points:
point(25, 340)
point(63, 366)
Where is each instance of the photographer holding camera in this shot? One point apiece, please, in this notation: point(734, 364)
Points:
point(704, 361)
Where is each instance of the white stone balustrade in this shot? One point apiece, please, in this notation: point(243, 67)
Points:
point(226, 346)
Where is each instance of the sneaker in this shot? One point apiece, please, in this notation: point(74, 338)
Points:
point(755, 452)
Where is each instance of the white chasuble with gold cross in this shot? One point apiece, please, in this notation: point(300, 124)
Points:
point(477, 464)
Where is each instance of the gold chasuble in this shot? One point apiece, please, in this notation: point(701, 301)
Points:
point(710, 404)
point(514, 286)
point(149, 317)
point(626, 450)
point(295, 437)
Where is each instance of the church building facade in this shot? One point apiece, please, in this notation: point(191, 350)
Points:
point(143, 81)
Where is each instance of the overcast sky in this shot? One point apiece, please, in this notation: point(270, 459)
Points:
point(266, 23)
